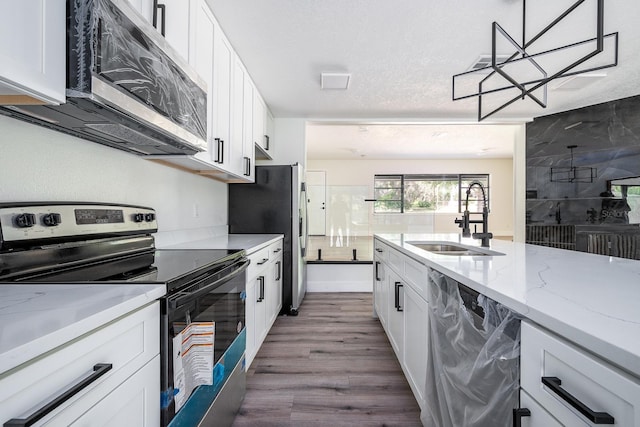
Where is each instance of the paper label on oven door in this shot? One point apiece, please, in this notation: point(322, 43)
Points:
point(192, 359)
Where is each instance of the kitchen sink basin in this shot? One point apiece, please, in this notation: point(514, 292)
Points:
point(445, 248)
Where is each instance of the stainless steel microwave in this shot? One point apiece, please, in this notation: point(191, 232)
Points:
point(126, 86)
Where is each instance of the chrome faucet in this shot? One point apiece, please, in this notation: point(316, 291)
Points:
point(465, 221)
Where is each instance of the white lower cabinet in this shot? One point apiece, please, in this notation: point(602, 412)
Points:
point(573, 386)
point(416, 330)
point(274, 297)
point(380, 292)
point(400, 303)
point(264, 295)
point(395, 322)
point(114, 369)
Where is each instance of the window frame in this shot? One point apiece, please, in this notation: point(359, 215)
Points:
point(460, 177)
point(375, 188)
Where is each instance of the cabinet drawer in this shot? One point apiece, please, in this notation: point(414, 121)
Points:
point(275, 249)
point(599, 386)
point(127, 344)
point(133, 403)
point(538, 416)
point(259, 261)
point(381, 251)
point(396, 260)
point(416, 275)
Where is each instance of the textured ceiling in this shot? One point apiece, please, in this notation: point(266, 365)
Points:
point(402, 141)
point(402, 54)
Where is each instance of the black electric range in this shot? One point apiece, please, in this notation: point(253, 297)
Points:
point(92, 243)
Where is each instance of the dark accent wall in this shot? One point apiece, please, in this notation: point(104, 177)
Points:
point(607, 137)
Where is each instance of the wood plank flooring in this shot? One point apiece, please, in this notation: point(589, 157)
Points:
point(332, 365)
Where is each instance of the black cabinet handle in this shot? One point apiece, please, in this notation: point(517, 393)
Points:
point(217, 159)
point(261, 296)
point(398, 286)
point(277, 250)
point(263, 261)
point(219, 151)
point(266, 142)
point(162, 7)
point(279, 270)
point(247, 166)
point(554, 384)
point(379, 250)
point(377, 267)
point(518, 413)
point(98, 370)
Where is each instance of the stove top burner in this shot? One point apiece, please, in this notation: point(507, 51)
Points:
point(160, 266)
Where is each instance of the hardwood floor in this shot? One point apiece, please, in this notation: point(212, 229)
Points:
point(332, 365)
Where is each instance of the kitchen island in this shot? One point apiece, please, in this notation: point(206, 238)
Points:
point(591, 300)
point(579, 316)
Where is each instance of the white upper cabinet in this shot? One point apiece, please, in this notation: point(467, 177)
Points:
point(258, 119)
point(178, 18)
point(241, 114)
point(199, 52)
point(248, 145)
point(262, 119)
point(222, 56)
point(32, 51)
point(192, 30)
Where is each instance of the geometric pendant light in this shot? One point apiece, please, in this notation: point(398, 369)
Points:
point(525, 69)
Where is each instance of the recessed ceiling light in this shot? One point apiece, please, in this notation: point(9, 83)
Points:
point(335, 80)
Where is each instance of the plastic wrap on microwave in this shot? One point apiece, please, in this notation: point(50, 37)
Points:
point(104, 42)
point(473, 367)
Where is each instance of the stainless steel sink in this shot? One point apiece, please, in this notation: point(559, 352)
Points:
point(444, 248)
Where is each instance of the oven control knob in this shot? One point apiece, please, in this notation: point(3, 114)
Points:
point(139, 217)
point(149, 217)
point(51, 220)
point(25, 220)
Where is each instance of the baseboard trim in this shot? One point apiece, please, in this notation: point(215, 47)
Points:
point(344, 277)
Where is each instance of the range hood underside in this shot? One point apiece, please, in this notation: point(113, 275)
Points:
point(84, 119)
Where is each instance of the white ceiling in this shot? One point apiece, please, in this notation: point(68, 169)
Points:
point(402, 55)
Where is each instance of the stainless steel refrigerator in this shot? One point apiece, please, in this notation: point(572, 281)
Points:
point(276, 203)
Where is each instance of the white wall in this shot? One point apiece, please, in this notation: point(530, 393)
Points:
point(361, 172)
point(38, 164)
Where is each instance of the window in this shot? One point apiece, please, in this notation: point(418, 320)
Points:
point(434, 193)
point(388, 193)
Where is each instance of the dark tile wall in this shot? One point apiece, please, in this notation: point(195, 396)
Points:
point(607, 137)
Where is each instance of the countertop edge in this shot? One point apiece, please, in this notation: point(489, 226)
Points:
point(248, 242)
point(26, 352)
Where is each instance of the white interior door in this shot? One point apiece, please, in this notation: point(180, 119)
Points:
point(316, 198)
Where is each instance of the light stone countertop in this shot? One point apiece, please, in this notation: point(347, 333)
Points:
point(591, 300)
point(36, 318)
point(248, 242)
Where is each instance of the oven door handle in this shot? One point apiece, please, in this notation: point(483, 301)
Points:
point(181, 298)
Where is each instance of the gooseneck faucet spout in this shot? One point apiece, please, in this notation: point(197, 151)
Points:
point(463, 223)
